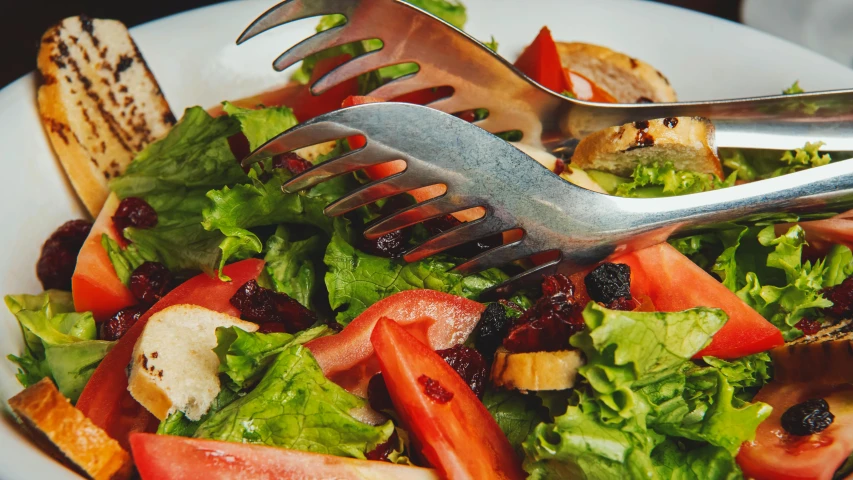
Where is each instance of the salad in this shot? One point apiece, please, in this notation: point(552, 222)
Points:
point(207, 324)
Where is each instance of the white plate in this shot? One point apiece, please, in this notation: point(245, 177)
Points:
point(194, 57)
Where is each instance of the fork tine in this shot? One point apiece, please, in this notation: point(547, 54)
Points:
point(528, 279)
point(300, 136)
point(434, 207)
point(412, 82)
point(348, 162)
point(290, 11)
point(496, 257)
point(451, 104)
point(318, 42)
point(457, 235)
point(383, 188)
point(361, 64)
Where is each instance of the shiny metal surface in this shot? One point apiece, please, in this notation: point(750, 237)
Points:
point(481, 170)
point(481, 78)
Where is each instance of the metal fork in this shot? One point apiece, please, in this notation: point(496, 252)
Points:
point(481, 78)
point(578, 226)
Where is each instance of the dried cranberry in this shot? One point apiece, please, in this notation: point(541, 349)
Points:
point(390, 245)
point(547, 325)
point(134, 212)
point(120, 323)
point(491, 329)
point(609, 282)
point(441, 224)
point(434, 390)
point(58, 257)
point(623, 303)
point(377, 394)
point(239, 145)
point(841, 297)
point(469, 364)
point(807, 418)
point(808, 326)
point(150, 282)
point(262, 305)
point(291, 162)
point(559, 166)
point(383, 450)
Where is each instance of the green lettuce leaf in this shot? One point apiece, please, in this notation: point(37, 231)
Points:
point(751, 165)
point(261, 125)
point(839, 266)
point(356, 280)
point(675, 461)
point(59, 343)
point(793, 89)
point(244, 356)
point(294, 406)
point(292, 266)
point(517, 414)
point(179, 425)
point(746, 374)
point(656, 180)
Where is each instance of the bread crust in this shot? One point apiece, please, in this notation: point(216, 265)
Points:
point(688, 142)
point(627, 79)
point(42, 408)
point(98, 101)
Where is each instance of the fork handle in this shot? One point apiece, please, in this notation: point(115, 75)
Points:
point(825, 188)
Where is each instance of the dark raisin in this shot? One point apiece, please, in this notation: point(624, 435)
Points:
point(120, 323)
point(150, 282)
point(609, 282)
point(383, 450)
point(134, 212)
point(441, 224)
point(548, 324)
point(808, 326)
point(841, 297)
point(58, 257)
point(434, 390)
point(390, 245)
point(491, 329)
point(469, 364)
point(377, 394)
point(291, 162)
point(807, 418)
point(262, 306)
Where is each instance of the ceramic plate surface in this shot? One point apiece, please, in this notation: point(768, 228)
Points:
point(194, 57)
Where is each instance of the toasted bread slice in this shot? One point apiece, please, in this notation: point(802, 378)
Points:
point(627, 79)
point(687, 142)
point(174, 367)
point(99, 103)
point(50, 416)
point(536, 371)
point(826, 356)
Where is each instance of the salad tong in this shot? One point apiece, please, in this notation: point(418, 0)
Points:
point(480, 78)
point(575, 227)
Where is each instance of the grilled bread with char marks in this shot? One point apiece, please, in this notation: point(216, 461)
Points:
point(98, 101)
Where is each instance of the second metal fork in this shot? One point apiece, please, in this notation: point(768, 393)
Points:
point(578, 227)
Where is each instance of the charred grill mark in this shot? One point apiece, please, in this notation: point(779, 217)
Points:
point(112, 98)
point(48, 79)
point(634, 63)
point(122, 89)
point(68, 79)
point(86, 24)
point(63, 49)
point(87, 84)
point(57, 128)
point(124, 62)
point(169, 118)
point(662, 77)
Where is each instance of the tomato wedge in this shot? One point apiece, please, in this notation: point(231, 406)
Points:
point(673, 283)
point(164, 457)
point(105, 399)
point(541, 62)
point(440, 319)
point(777, 455)
point(95, 286)
point(455, 432)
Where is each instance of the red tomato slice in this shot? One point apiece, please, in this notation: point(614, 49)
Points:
point(95, 286)
point(105, 399)
point(298, 97)
point(777, 455)
point(165, 457)
point(541, 62)
point(674, 283)
point(584, 89)
point(456, 434)
point(440, 319)
point(821, 234)
point(170, 457)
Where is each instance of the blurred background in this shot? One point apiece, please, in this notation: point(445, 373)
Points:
point(821, 25)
